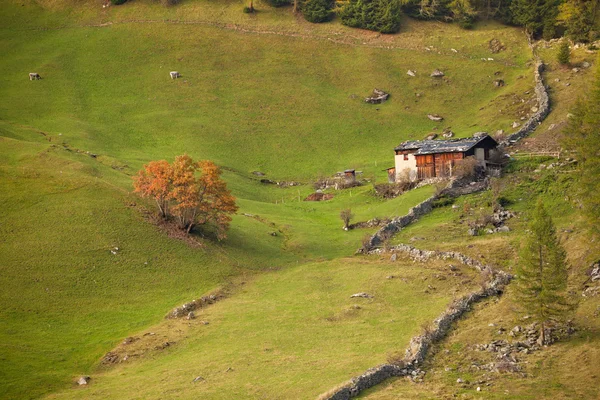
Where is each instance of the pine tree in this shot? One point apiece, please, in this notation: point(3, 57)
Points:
point(564, 53)
point(542, 272)
point(537, 16)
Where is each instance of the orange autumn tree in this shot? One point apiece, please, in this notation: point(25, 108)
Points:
point(190, 198)
point(154, 181)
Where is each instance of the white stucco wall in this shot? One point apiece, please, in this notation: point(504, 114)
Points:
point(402, 164)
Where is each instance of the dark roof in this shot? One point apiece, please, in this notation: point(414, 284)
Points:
point(444, 146)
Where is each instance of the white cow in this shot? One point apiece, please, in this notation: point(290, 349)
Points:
point(34, 76)
point(174, 74)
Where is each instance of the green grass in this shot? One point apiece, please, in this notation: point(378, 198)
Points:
point(267, 92)
point(289, 334)
point(290, 107)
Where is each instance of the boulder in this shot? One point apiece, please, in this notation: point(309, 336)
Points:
point(83, 380)
point(378, 97)
point(435, 117)
point(437, 74)
point(363, 295)
point(411, 73)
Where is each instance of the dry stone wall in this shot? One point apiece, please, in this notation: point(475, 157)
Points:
point(420, 345)
point(455, 188)
point(543, 108)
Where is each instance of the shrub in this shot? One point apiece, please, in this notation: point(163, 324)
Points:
point(443, 201)
point(387, 190)
point(248, 10)
point(346, 216)
point(465, 168)
point(117, 2)
point(317, 11)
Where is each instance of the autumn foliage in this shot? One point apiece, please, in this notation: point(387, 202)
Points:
point(191, 193)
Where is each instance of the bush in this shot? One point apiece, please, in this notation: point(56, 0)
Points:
point(117, 2)
point(465, 168)
point(248, 10)
point(443, 201)
point(375, 15)
point(317, 11)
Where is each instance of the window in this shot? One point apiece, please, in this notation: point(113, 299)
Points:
point(406, 157)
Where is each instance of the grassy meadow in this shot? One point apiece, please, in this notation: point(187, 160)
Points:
point(265, 92)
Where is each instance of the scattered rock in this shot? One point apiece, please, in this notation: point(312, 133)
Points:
point(258, 173)
point(110, 358)
point(459, 380)
point(363, 295)
point(198, 378)
point(498, 82)
point(410, 72)
point(393, 257)
point(447, 133)
point(437, 74)
point(516, 124)
point(454, 50)
point(585, 64)
point(435, 117)
point(378, 97)
point(431, 136)
point(191, 315)
point(130, 340)
point(576, 70)
point(83, 380)
point(496, 46)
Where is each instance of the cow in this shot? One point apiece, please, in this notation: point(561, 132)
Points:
point(33, 76)
point(174, 74)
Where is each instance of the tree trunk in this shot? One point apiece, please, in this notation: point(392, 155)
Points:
point(295, 10)
point(542, 339)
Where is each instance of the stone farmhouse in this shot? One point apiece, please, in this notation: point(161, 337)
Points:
point(436, 158)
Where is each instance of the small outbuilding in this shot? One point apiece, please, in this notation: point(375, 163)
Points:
point(436, 158)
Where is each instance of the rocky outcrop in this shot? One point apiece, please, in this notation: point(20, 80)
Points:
point(420, 345)
point(541, 113)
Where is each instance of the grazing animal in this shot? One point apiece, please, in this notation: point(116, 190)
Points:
point(34, 76)
point(174, 74)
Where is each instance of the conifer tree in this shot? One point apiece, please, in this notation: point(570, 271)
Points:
point(564, 53)
point(542, 272)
